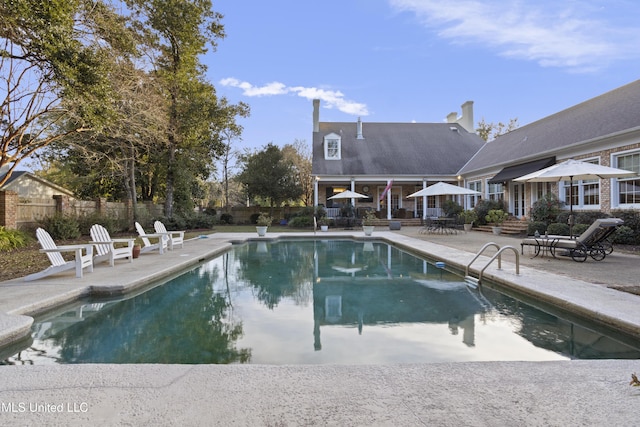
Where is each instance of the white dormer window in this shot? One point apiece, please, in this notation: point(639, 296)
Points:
point(332, 149)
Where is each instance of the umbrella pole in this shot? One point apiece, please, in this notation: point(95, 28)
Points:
point(571, 207)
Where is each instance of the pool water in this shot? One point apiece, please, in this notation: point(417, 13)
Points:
point(312, 302)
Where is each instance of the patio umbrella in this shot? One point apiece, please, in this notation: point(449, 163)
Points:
point(443, 189)
point(570, 170)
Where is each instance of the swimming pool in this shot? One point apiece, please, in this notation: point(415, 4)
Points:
point(313, 302)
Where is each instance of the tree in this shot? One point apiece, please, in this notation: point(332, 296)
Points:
point(299, 154)
point(180, 30)
point(52, 70)
point(270, 175)
point(490, 131)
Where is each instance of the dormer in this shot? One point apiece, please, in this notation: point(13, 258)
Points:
point(332, 147)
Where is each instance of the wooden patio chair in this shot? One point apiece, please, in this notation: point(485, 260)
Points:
point(105, 246)
point(173, 238)
point(58, 263)
point(160, 246)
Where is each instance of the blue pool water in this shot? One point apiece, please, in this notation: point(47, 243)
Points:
point(312, 302)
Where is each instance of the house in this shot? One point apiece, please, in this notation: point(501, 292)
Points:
point(388, 161)
point(30, 186)
point(603, 130)
point(405, 157)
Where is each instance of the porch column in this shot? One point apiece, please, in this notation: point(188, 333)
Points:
point(424, 200)
point(389, 199)
point(315, 191)
point(353, 188)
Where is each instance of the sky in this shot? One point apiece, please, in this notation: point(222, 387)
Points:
point(417, 60)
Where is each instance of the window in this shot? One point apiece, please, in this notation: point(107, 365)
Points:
point(332, 149)
point(473, 200)
point(586, 193)
point(629, 188)
point(495, 191)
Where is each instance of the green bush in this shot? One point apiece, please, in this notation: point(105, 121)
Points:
point(61, 227)
point(227, 218)
point(578, 229)
point(301, 222)
point(559, 228)
point(539, 226)
point(451, 208)
point(11, 239)
point(113, 225)
point(483, 207)
point(631, 219)
point(547, 209)
point(624, 235)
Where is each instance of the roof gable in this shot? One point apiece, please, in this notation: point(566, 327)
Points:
point(395, 149)
point(611, 113)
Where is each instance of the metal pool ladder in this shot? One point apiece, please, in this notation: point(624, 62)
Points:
point(475, 283)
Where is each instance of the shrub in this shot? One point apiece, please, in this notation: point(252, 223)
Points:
point(253, 219)
point(539, 226)
point(496, 216)
point(227, 218)
point(112, 224)
point(300, 222)
point(559, 228)
point(547, 209)
point(11, 239)
point(469, 216)
point(61, 227)
point(451, 208)
point(578, 229)
point(624, 235)
point(483, 207)
point(264, 220)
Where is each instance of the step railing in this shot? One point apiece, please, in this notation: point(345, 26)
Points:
point(497, 255)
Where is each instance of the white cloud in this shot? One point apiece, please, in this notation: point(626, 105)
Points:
point(331, 99)
point(554, 34)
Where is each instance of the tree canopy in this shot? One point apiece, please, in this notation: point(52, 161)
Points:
point(270, 175)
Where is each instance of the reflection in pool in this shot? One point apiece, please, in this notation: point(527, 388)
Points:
point(312, 302)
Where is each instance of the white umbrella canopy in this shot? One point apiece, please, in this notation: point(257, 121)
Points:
point(442, 189)
point(571, 170)
point(348, 194)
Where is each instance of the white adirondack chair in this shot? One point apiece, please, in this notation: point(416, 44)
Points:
point(58, 264)
point(106, 249)
point(173, 238)
point(160, 246)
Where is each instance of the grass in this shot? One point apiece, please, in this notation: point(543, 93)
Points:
point(26, 260)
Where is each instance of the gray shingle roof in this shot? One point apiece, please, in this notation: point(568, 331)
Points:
point(396, 149)
point(607, 114)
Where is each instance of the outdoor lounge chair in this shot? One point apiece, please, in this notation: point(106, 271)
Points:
point(105, 246)
point(591, 243)
point(173, 238)
point(160, 246)
point(58, 263)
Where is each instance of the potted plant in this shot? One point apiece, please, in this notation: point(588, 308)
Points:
point(468, 217)
point(367, 222)
point(263, 222)
point(323, 222)
point(496, 217)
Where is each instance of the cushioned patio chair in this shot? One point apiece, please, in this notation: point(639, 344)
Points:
point(160, 246)
point(58, 263)
point(173, 238)
point(105, 246)
point(591, 243)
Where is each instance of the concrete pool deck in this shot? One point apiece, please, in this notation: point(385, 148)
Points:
point(477, 393)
